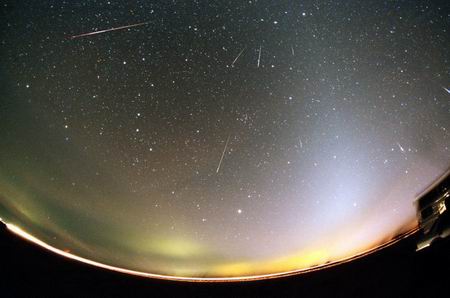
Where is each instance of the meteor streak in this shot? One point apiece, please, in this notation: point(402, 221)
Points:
point(237, 57)
point(259, 56)
point(223, 154)
point(108, 30)
point(448, 90)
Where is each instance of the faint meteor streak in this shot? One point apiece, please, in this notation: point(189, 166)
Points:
point(223, 154)
point(237, 57)
point(259, 56)
point(448, 90)
point(108, 30)
point(400, 147)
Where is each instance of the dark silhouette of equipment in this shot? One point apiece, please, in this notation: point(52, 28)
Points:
point(433, 212)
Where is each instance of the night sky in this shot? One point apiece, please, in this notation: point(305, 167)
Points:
point(220, 138)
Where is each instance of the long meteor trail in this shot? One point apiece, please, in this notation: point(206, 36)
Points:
point(259, 56)
point(237, 57)
point(223, 154)
point(108, 30)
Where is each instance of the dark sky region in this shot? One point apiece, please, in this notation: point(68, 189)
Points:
point(217, 139)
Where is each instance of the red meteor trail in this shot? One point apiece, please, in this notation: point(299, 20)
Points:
point(108, 30)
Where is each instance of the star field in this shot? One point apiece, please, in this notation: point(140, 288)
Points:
point(220, 139)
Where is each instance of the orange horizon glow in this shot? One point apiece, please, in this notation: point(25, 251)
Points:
point(314, 260)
